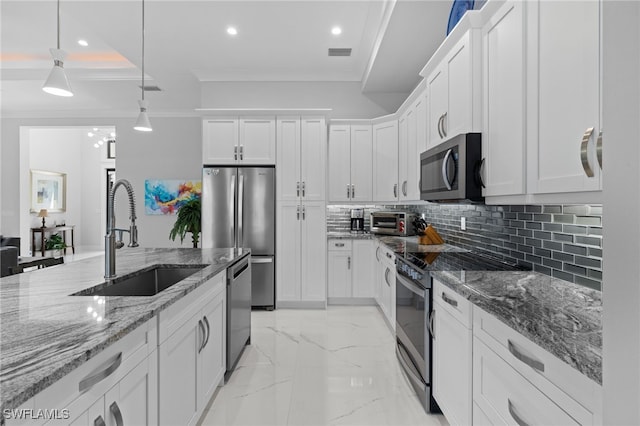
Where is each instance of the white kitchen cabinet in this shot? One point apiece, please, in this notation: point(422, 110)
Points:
point(124, 376)
point(350, 277)
point(191, 352)
point(239, 140)
point(564, 107)
point(453, 91)
point(452, 349)
point(301, 158)
point(504, 140)
point(350, 163)
point(302, 253)
point(385, 161)
point(386, 284)
point(515, 380)
point(412, 142)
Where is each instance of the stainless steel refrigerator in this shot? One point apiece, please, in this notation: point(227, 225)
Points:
point(238, 210)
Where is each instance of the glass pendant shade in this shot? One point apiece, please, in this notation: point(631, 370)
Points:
point(57, 83)
point(142, 123)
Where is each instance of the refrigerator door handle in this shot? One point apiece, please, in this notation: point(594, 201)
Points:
point(240, 241)
point(232, 205)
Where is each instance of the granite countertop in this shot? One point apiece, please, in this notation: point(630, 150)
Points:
point(348, 235)
point(45, 333)
point(561, 317)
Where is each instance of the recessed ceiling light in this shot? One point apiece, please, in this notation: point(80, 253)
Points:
point(83, 43)
point(95, 145)
point(90, 134)
point(232, 31)
point(336, 30)
point(113, 134)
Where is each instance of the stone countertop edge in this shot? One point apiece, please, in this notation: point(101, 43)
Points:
point(50, 314)
point(563, 318)
point(347, 235)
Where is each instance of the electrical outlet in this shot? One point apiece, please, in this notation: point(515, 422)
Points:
point(463, 223)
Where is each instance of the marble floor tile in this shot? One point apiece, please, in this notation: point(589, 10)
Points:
point(319, 367)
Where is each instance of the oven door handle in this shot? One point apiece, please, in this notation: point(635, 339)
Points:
point(411, 286)
point(407, 365)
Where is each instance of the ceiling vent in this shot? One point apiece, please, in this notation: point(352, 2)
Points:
point(148, 88)
point(340, 51)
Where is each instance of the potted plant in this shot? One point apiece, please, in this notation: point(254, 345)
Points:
point(188, 220)
point(55, 243)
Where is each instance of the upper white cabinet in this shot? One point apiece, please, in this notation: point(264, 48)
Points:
point(301, 158)
point(350, 163)
point(504, 134)
point(385, 161)
point(453, 90)
point(412, 129)
point(563, 109)
point(239, 140)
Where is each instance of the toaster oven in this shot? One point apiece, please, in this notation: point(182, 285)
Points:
point(392, 223)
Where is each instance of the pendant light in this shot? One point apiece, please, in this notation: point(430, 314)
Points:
point(57, 82)
point(142, 123)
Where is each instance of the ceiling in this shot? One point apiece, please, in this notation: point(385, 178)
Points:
point(187, 45)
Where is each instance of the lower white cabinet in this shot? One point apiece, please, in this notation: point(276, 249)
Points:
point(452, 360)
point(191, 357)
point(301, 261)
point(517, 382)
point(385, 283)
point(350, 277)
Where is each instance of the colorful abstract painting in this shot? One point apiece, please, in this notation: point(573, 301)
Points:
point(167, 196)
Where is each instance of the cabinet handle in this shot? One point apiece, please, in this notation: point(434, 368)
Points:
point(395, 190)
point(432, 317)
point(388, 255)
point(533, 363)
point(348, 191)
point(584, 153)
point(445, 171)
point(201, 326)
point(377, 254)
point(339, 244)
point(439, 129)
point(444, 130)
point(304, 185)
point(298, 189)
point(206, 322)
point(515, 415)
point(235, 152)
point(349, 262)
point(298, 212)
point(404, 188)
point(91, 380)
point(304, 213)
point(386, 276)
point(242, 152)
point(99, 421)
point(115, 411)
point(450, 301)
point(599, 149)
point(353, 191)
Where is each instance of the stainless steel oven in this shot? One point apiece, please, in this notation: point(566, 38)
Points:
point(413, 337)
point(451, 170)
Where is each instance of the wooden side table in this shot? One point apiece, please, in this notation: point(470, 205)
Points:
point(51, 230)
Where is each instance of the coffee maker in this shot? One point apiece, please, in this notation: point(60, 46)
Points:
point(357, 220)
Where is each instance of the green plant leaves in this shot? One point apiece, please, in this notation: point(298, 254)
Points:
point(188, 220)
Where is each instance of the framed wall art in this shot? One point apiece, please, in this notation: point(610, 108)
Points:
point(111, 149)
point(48, 191)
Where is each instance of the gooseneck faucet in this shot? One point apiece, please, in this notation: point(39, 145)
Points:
point(110, 242)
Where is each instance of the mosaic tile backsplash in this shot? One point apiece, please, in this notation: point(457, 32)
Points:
point(564, 241)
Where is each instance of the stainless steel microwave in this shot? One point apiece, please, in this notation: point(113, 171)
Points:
point(392, 223)
point(451, 170)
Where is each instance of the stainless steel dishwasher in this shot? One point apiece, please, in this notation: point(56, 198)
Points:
point(238, 311)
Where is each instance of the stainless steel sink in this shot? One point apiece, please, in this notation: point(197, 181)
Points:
point(143, 283)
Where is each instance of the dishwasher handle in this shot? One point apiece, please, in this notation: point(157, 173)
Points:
point(237, 269)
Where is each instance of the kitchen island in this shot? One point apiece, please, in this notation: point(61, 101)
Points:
point(46, 333)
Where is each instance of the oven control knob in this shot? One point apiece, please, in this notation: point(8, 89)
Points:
point(401, 226)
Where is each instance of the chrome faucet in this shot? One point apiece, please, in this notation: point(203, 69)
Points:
point(110, 242)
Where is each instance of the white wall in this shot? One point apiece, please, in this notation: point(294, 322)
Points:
point(345, 98)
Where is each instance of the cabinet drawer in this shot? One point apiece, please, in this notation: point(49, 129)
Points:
point(172, 318)
point(544, 370)
point(452, 302)
point(506, 397)
point(339, 245)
